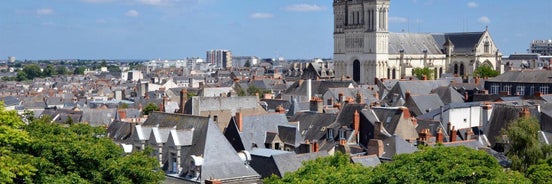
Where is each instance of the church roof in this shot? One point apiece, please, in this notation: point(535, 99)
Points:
point(463, 42)
point(413, 43)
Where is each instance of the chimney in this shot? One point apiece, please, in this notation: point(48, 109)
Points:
point(375, 147)
point(183, 99)
point(476, 80)
point(268, 96)
point(452, 135)
point(359, 99)
point(524, 113)
point(343, 142)
point(340, 98)
point(337, 105)
point(449, 125)
point(538, 94)
point(406, 112)
point(377, 129)
point(424, 77)
point(356, 122)
point(239, 121)
point(376, 95)
point(146, 95)
point(213, 181)
point(122, 114)
point(309, 89)
point(315, 146)
point(164, 103)
point(466, 96)
point(161, 107)
point(440, 136)
point(140, 107)
point(407, 95)
point(316, 105)
point(280, 109)
point(469, 134)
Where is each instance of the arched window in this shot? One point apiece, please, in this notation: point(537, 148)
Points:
point(389, 73)
point(440, 72)
point(356, 71)
point(455, 69)
point(394, 73)
point(462, 69)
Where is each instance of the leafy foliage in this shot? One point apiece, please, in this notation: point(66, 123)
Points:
point(79, 70)
point(525, 147)
point(444, 165)
point(421, 72)
point(428, 165)
point(332, 169)
point(252, 90)
point(540, 173)
point(44, 152)
point(150, 108)
point(485, 71)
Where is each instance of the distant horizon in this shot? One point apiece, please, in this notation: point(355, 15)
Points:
point(152, 29)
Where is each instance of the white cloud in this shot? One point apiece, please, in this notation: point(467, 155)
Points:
point(157, 2)
point(398, 20)
point(45, 11)
point(472, 5)
point(260, 15)
point(484, 20)
point(305, 8)
point(132, 13)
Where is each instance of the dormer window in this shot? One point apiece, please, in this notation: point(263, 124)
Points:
point(330, 134)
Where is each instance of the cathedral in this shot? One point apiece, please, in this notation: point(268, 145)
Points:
point(365, 50)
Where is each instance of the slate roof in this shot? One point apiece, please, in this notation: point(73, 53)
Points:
point(448, 95)
point(10, 101)
point(464, 42)
point(255, 128)
point(524, 76)
point(366, 160)
point(395, 145)
point(418, 87)
point(413, 43)
point(220, 160)
point(291, 162)
point(98, 117)
point(119, 131)
point(196, 104)
point(319, 87)
point(312, 125)
point(273, 103)
point(503, 115)
point(420, 104)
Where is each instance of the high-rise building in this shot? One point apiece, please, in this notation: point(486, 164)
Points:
point(220, 58)
point(542, 47)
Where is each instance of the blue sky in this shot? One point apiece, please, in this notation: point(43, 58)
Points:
point(172, 29)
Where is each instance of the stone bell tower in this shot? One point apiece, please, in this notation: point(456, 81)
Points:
point(361, 39)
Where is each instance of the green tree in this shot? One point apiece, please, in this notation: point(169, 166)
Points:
point(444, 165)
point(83, 154)
point(525, 149)
point(252, 90)
point(421, 72)
point(79, 70)
point(21, 76)
point(13, 165)
point(49, 71)
point(485, 71)
point(113, 68)
point(540, 173)
point(150, 108)
point(32, 71)
point(61, 70)
point(333, 169)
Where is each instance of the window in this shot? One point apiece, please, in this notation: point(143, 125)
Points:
point(341, 134)
point(520, 90)
point(330, 134)
point(487, 45)
point(544, 90)
point(532, 90)
point(215, 118)
point(507, 87)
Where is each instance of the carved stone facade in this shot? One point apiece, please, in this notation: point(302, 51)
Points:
point(365, 50)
